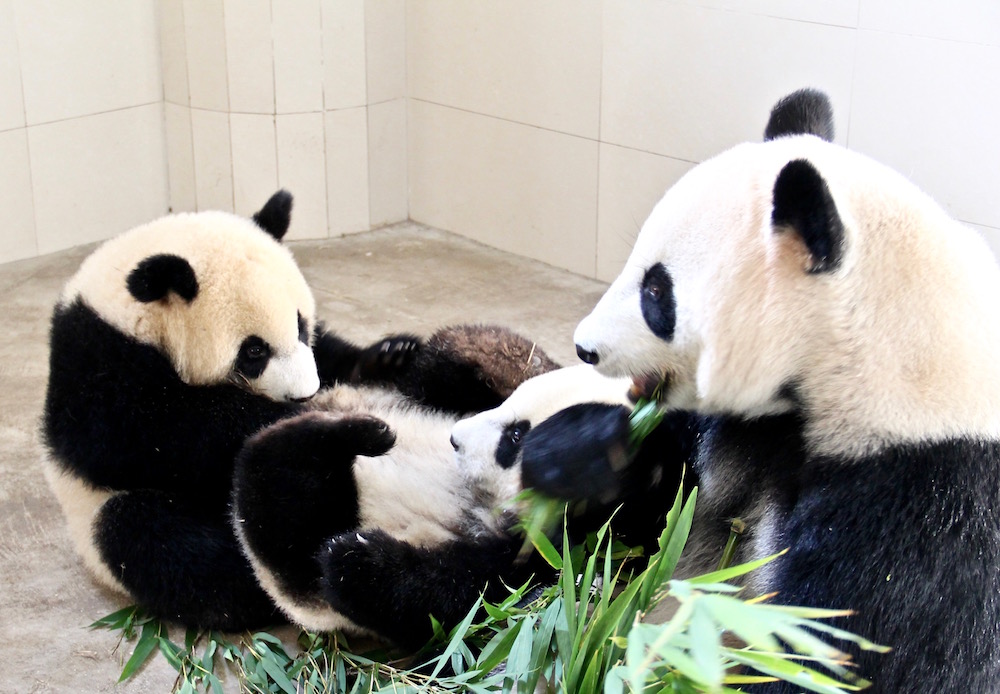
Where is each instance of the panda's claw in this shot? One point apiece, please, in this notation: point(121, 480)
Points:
point(386, 358)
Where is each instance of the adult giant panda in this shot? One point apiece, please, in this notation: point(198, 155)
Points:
point(171, 346)
point(360, 516)
point(840, 333)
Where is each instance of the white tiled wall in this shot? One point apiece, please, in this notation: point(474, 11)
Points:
point(280, 94)
point(660, 85)
point(545, 128)
point(82, 151)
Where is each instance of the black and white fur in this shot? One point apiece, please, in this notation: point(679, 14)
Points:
point(839, 334)
point(372, 513)
point(171, 346)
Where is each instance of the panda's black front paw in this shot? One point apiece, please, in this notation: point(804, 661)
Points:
point(386, 358)
point(316, 439)
point(578, 453)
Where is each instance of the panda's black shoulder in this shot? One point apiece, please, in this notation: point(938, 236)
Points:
point(115, 409)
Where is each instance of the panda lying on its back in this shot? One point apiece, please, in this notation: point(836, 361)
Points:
point(361, 516)
point(841, 332)
point(173, 344)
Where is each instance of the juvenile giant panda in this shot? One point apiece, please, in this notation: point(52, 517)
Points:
point(173, 344)
point(360, 516)
point(840, 334)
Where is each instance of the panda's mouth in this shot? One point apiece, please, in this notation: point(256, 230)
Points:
point(649, 387)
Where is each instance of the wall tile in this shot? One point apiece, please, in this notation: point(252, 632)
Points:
point(343, 53)
point(347, 169)
point(16, 198)
point(213, 160)
point(173, 51)
point(385, 31)
point(302, 171)
point(631, 184)
point(522, 189)
point(673, 74)
point(532, 62)
point(11, 100)
point(836, 12)
point(255, 161)
point(180, 158)
point(947, 144)
point(249, 65)
point(973, 21)
point(97, 176)
point(387, 162)
point(84, 58)
point(298, 56)
point(205, 33)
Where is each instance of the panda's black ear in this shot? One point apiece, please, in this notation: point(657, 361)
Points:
point(802, 202)
point(157, 275)
point(804, 112)
point(276, 214)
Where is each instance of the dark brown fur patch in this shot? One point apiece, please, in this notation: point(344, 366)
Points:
point(502, 358)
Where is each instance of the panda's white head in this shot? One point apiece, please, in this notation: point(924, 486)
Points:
point(214, 292)
point(488, 445)
point(794, 274)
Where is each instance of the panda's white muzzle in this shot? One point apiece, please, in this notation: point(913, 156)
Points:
point(290, 377)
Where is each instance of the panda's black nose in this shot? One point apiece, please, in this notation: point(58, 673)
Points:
point(589, 357)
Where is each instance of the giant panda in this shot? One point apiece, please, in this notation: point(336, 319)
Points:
point(370, 513)
point(171, 346)
point(837, 333)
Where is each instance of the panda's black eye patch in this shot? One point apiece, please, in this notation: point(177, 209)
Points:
point(303, 330)
point(253, 357)
point(656, 299)
point(510, 443)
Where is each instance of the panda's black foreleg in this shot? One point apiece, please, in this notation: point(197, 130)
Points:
point(340, 361)
point(584, 454)
point(180, 563)
point(293, 487)
point(393, 587)
point(471, 368)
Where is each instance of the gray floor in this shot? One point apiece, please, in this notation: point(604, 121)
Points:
point(403, 278)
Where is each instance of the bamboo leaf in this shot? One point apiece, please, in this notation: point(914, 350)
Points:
point(144, 647)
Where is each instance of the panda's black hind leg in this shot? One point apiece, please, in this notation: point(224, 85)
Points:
point(180, 563)
point(293, 487)
point(392, 587)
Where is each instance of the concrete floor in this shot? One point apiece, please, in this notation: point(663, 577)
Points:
point(402, 278)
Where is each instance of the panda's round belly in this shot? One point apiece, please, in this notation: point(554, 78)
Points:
point(416, 492)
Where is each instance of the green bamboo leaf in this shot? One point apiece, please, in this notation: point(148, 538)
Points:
point(725, 575)
point(273, 668)
point(706, 646)
point(172, 652)
point(743, 620)
point(672, 541)
point(791, 671)
point(457, 634)
point(836, 633)
point(498, 647)
point(543, 545)
point(519, 661)
point(144, 647)
point(117, 619)
point(593, 677)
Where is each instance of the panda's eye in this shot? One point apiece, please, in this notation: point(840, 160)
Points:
point(510, 443)
point(658, 303)
point(303, 330)
point(253, 357)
